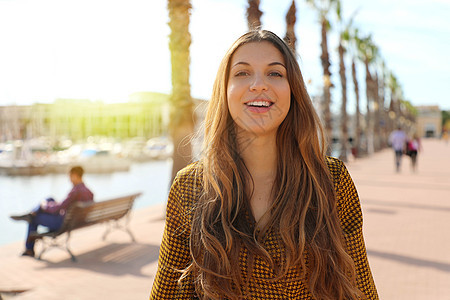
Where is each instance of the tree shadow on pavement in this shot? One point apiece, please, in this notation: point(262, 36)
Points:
point(404, 185)
point(418, 262)
point(399, 204)
point(114, 259)
point(381, 211)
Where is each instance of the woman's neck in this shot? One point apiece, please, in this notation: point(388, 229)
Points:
point(260, 155)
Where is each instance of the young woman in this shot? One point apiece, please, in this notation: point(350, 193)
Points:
point(413, 147)
point(264, 214)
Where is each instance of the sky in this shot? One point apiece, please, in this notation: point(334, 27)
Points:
point(108, 49)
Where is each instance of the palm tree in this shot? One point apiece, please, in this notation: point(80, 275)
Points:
point(380, 114)
point(406, 111)
point(410, 113)
point(394, 107)
point(384, 113)
point(376, 111)
point(253, 15)
point(323, 7)
point(368, 51)
point(290, 38)
point(344, 40)
point(354, 38)
point(357, 137)
point(181, 124)
point(344, 130)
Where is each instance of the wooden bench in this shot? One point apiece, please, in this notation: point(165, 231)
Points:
point(82, 214)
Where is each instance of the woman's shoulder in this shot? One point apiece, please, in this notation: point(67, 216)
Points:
point(338, 170)
point(186, 187)
point(190, 176)
point(334, 165)
point(190, 171)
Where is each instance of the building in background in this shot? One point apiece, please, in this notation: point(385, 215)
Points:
point(429, 121)
point(144, 115)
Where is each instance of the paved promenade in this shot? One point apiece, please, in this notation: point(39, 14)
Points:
point(406, 225)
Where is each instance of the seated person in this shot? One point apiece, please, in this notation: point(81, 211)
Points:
point(51, 213)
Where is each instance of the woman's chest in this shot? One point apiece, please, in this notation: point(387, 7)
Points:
point(263, 282)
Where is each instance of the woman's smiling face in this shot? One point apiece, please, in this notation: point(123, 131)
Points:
point(258, 90)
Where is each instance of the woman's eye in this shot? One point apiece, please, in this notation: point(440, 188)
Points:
point(275, 74)
point(241, 73)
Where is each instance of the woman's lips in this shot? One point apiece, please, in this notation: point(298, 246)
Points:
point(259, 105)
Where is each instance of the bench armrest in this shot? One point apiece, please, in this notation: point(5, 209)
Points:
point(83, 204)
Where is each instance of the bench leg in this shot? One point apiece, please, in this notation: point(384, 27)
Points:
point(55, 244)
point(107, 231)
point(116, 225)
point(47, 243)
point(131, 234)
point(42, 252)
point(72, 257)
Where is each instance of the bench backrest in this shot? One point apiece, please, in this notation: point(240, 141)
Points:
point(83, 214)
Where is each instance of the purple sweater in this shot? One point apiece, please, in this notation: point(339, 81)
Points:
point(78, 193)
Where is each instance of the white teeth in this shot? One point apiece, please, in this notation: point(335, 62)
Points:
point(259, 103)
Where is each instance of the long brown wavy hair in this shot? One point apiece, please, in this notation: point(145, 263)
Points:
point(303, 210)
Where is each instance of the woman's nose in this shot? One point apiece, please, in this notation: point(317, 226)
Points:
point(258, 82)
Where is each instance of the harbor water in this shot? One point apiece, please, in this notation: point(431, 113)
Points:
point(18, 194)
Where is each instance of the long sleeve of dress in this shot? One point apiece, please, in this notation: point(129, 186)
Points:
point(174, 253)
point(350, 215)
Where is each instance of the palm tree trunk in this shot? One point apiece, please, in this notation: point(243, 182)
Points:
point(181, 125)
point(391, 119)
point(357, 138)
point(377, 113)
point(325, 60)
point(344, 130)
point(290, 38)
point(369, 125)
point(253, 15)
point(384, 114)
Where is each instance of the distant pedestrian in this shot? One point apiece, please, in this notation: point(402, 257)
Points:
point(445, 137)
point(51, 213)
point(398, 139)
point(413, 148)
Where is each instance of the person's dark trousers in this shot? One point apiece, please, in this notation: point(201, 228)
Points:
point(53, 222)
point(398, 158)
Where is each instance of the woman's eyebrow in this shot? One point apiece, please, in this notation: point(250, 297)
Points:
point(277, 63)
point(247, 64)
point(240, 63)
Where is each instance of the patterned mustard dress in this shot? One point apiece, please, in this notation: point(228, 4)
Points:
point(174, 252)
